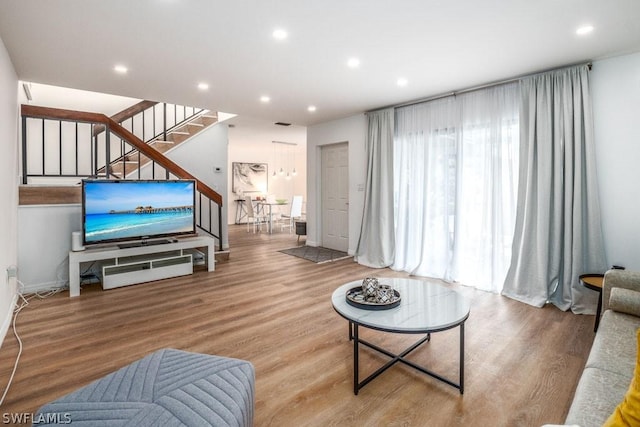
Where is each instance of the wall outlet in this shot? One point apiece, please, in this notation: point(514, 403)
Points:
point(12, 271)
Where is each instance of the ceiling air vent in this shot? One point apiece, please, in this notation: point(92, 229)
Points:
point(283, 124)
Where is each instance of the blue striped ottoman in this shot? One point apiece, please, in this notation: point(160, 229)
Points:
point(168, 388)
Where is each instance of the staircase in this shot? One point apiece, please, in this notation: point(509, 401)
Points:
point(130, 164)
point(73, 145)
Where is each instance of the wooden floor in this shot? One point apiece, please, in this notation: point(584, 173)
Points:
point(521, 369)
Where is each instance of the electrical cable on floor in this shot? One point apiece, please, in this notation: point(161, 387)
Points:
point(17, 310)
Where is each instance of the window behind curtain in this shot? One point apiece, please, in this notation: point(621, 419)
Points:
point(455, 177)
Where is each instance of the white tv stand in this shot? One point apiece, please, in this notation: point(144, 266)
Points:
point(140, 264)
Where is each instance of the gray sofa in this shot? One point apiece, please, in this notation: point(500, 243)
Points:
point(609, 368)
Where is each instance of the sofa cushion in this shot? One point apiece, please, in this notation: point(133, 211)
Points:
point(618, 279)
point(625, 301)
point(614, 348)
point(627, 413)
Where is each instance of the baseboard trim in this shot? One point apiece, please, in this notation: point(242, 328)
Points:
point(40, 287)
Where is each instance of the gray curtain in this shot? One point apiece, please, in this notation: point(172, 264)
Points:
point(558, 233)
point(376, 245)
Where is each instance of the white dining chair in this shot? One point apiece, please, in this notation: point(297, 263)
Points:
point(253, 218)
point(294, 213)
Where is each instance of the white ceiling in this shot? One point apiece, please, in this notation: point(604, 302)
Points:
point(170, 46)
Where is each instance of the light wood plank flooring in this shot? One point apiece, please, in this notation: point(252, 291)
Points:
point(522, 363)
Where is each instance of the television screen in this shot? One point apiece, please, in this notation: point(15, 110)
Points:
point(136, 210)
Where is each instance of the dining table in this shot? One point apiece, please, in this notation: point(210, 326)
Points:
point(266, 208)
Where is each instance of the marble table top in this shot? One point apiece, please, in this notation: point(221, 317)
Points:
point(424, 307)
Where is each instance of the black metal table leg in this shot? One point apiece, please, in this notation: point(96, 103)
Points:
point(594, 281)
point(356, 385)
point(462, 358)
point(598, 310)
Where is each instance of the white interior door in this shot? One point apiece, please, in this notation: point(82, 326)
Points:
point(335, 196)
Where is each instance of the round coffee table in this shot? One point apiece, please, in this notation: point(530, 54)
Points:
point(424, 308)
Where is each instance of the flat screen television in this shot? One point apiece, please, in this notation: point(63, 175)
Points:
point(137, 211)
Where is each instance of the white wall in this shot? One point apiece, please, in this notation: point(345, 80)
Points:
point(45, 242)
point(204, 152)
point(250, 141)
point(616, 105)
point(353, 131)
point(8, 187)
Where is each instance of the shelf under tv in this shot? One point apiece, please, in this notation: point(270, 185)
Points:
point(129, 265)
point(131, 270)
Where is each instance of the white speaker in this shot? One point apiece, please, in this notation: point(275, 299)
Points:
point(76, 241)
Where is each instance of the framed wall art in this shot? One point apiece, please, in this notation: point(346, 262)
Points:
point(249, 177)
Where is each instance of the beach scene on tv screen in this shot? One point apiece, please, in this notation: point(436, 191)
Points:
point(130, 210)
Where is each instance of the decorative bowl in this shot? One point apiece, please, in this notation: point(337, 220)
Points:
point(356, 298)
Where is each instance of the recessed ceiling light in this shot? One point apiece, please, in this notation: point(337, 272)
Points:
point(402, 82)
point(585, 29)
point(353, 63)
point(311, 108)
point(265, 99)
point(121, 69)
point(279, 34)
point(203, 86)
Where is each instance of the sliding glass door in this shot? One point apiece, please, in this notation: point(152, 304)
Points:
point(455, 177)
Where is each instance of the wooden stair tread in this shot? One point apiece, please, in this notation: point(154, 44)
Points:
point(184, 132)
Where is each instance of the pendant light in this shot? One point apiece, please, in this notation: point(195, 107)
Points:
point(284, 160)
point(293, 172)
point(273, 174)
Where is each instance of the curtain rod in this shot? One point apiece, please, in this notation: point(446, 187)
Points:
point(474, 88)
